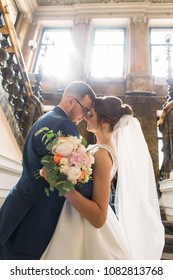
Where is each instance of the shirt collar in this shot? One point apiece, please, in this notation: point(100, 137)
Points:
point(63, 110)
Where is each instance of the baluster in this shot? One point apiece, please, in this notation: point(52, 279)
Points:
point(36, 88)
point(24, 113)
point(4, 45)
point(18, 105)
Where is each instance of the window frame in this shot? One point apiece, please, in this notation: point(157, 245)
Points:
point(90, 52)
point(161, 45)
point(70, 28)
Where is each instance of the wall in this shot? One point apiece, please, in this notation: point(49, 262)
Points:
point(10, 158)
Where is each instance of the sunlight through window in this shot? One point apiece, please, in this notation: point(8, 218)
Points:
point(108, 53)
point(159, 62)
point(55, 52)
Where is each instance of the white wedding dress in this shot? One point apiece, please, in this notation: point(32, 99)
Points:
point(75, 238)
point(137, 233)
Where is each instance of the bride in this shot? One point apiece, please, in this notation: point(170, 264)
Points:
point(88, 228)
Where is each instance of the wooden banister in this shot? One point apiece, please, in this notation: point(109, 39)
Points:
point(15, 48)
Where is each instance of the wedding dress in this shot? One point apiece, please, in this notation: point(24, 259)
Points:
point(75, 238)
point(137, 232)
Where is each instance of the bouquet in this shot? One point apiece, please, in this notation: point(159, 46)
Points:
point(67, 163)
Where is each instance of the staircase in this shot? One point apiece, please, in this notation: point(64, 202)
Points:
point(21, 103)
point(168, 248)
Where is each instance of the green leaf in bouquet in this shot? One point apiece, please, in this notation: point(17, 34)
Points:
point(48, 134)
point(60, 183)
point(69, 185)
point(47, 191)
point(37, 175)
point(54, 141)
point(59, 133)
point(62, 191)
point(48, 137)
point(64, 186)
point(41, 130)
point(46, 160)
point(43, 138)
point(49, 146)
point(84, 142)
point(51, 132)
point(51, 188)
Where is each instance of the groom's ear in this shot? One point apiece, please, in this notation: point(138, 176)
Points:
point(70, 100)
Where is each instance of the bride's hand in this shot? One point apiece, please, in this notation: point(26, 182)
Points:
point(70, 194)
point(43, 173)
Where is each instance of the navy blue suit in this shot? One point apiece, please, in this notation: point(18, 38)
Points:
point(28, 217)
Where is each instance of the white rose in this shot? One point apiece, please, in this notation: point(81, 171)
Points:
point(73, 174)
point(64, 149)
point(74, 140)
point(81, 149)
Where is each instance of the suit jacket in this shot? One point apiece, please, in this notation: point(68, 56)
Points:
point(28, 215)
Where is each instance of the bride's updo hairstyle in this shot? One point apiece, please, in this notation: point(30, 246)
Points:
point(110, 109)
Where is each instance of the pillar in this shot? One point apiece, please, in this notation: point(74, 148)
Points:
point(139, 78)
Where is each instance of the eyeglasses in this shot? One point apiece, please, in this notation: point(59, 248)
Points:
point(87, 112)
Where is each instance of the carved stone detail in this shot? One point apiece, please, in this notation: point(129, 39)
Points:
point(65, 2)
point(141, 19)
point(73, 2)
point(136, 83)
point(81, 20)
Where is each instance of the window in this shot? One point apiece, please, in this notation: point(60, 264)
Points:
point(55, 52)
point(14, 11)
point(108, 53)
point(159, 61)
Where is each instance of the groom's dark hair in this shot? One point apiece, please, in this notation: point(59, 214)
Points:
point(79, 89)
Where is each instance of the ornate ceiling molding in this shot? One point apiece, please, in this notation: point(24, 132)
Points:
point(54, 10)
point(74, 2)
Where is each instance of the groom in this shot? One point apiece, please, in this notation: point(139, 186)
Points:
point(28, 217)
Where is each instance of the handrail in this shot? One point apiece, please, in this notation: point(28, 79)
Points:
point(15, 45)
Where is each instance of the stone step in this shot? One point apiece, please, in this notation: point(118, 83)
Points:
point(168, 248)
point(168, 226)
point(170, 223)
point(162, 213)
point(169, 239)
point(167, 256)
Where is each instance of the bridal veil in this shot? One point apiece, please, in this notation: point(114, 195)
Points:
point(138, 205)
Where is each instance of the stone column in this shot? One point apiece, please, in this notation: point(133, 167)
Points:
point(80, 37)
point(139, 79)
